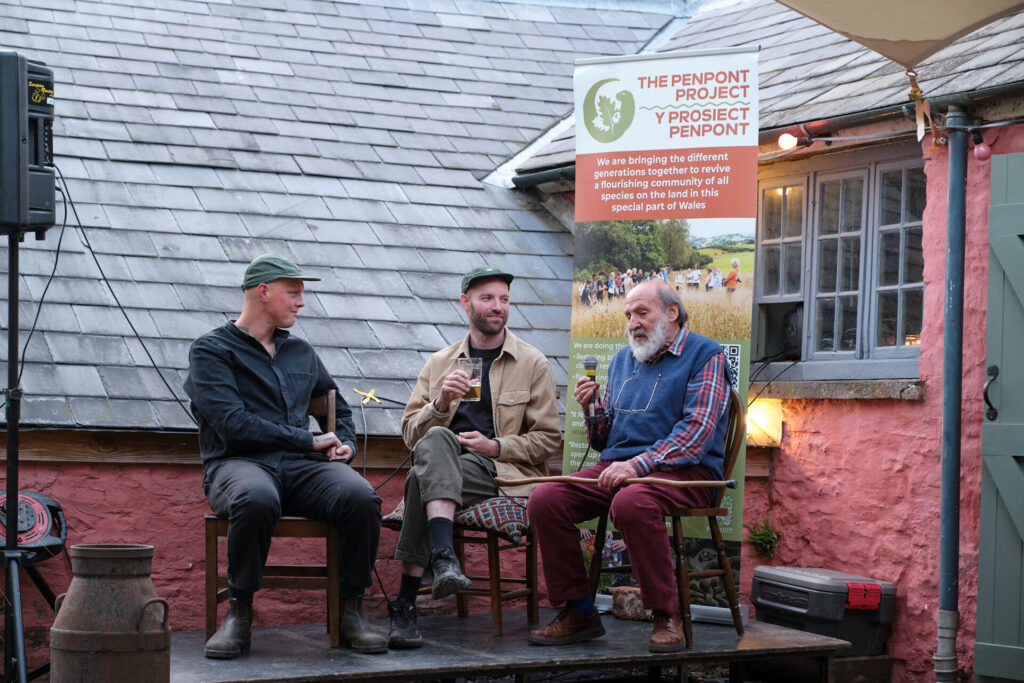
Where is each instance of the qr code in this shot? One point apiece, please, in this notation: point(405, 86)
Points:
point(732, 356)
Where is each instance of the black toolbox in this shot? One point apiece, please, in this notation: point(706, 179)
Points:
point(827, 602)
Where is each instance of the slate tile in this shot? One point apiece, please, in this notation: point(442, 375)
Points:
point(283, 227)
point(87, 349)
point(360, 189)
point(47, 412)
point(422, 214)
point(337, 333)
point(349, 151)
point(393, 173)
point(134, 218)
point(304, 206)
point(190, 324)
point(418, 337)
point(326, 167)
point(278, 144)
point(353, 306)
point(359, 210)
point(123, 151)
point(432, 311)
point(340, 364)
point(230, 201)
point(51, 316)
point(160, 135)
point(86, 94)
point(166, 353)
point(101, 192)
point(432, 194)
point(109, 413)
point(174, 415)
point(209, 223)
point(395, 364)
point(545, 317)
point(164, 196)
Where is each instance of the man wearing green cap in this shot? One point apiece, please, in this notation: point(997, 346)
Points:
point(250, 383)
point(459, 446)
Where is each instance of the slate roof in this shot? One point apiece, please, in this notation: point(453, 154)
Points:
point(809, 73)
point(349, 136)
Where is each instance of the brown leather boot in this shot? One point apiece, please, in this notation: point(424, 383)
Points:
point(356, 633)
point(568, 627)
point(233, 636)
point(667, 634)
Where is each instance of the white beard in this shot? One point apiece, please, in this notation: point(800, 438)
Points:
point(644, 349)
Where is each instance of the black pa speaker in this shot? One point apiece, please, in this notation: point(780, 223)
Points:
point(27, 198)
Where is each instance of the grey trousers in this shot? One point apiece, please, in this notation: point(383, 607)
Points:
point(441, 469)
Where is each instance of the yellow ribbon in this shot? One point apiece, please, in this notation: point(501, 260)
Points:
point(368, 396)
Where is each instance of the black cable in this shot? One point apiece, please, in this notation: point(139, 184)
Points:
point(768, 383)
point(110, 287)
point(49, 281)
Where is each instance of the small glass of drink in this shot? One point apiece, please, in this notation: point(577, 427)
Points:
point(474, 368)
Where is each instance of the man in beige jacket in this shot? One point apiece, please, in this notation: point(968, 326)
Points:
point(459, 446)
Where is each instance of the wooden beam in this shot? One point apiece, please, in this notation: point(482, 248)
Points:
point(175, 448)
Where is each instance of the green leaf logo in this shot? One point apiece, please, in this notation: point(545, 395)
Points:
point(607, 118)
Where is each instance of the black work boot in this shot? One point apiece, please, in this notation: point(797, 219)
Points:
point(403, 634)
point(448, 576)
point(232, 638)
point(356, 633)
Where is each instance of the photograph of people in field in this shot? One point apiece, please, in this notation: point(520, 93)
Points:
point(709, 262)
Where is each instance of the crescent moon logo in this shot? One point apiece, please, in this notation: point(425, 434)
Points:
point(607, 118)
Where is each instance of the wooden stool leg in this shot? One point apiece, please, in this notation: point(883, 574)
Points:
point(211, 577)
point(726, 567)
point(333, 587)
point(682, 579)
point(461, 601)
point(494, 573)
point(532, 613)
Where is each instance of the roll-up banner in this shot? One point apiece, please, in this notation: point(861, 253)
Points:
point(666, 186)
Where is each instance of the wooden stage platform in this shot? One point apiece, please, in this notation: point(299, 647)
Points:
point(464, 648)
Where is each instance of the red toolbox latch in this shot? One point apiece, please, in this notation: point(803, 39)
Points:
point(863, 595)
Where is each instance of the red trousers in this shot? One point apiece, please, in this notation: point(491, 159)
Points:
point(638, 511)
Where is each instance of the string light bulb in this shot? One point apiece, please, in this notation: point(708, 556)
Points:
point(788, 142)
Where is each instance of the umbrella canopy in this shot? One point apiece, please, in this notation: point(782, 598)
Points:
point(906, 32)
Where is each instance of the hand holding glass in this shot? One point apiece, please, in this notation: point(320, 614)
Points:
point(473, 367)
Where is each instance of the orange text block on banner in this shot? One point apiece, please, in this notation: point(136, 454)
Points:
point(704, 182)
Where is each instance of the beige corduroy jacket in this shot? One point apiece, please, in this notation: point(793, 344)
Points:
point(526, 421)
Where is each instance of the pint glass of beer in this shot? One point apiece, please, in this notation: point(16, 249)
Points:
point(474, 368)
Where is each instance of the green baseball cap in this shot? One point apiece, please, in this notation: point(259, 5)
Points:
point(482, 272)
point(268, 267)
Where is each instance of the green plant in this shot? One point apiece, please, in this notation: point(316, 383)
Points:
point(763, 537)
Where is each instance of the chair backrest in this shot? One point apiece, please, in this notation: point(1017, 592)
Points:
point(735, 433)
point(324, 406)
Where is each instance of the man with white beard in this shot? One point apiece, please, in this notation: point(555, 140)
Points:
point(664, 414)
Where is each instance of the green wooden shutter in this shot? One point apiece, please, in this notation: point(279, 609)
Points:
point(999, 644)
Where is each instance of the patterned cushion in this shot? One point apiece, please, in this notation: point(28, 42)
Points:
point(503, 515)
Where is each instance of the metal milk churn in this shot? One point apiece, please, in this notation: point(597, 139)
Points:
point(110, 625)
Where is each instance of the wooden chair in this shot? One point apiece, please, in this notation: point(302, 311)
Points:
point(734, 435)
point(324, 576)
point(480, 532)
point(501, 524)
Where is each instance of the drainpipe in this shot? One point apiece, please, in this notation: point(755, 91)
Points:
point(945, 660)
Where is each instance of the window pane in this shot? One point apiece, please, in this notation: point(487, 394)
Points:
point(827, 265)
point(772, 214)
point(887, 308)
point(853, 204)
point(824, 330)
point(794, 211)
point(829, 208)
point(889, 258)
point(915, 194)
point(913, 259)
point(771, 270)
point(791, 257)
point(892, 193)
point(913, 308)
point(848, 323)
point(849, 274)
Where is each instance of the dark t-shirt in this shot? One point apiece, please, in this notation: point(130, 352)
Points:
point(478, 416)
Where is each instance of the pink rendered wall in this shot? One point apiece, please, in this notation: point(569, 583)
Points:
point(856, 485)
